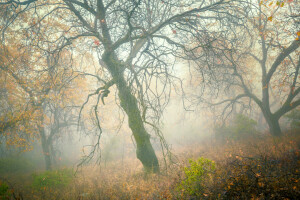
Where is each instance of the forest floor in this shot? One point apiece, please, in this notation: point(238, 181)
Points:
point(260, 168)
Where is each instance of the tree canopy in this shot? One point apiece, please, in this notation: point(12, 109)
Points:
point(131, 47)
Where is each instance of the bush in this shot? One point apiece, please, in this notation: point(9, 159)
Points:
point(14, 165)
point(294, 119)
point(52, 179)
point(4, 191)
point(197, 177)
point(265, 177)
point(241, 127)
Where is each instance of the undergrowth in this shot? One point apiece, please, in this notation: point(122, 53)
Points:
point(257, 168)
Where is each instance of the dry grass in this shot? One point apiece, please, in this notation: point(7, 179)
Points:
point(257, 168)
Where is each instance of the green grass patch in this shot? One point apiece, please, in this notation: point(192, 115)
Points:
point(52, 179)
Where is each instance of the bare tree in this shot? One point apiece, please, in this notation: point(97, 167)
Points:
point(136, 43)
point(255, 53)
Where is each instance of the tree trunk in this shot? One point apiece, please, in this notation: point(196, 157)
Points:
point(52, 153)
point(145, 152)
point(274, 126)
point(46, 148)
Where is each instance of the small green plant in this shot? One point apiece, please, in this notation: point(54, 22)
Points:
point(4, 191)
point(52, 179)
point(197, 176)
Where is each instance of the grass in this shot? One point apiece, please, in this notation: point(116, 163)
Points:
point(259, 168)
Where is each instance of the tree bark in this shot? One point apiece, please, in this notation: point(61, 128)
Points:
point(145, 152)
point(45, 143)
point(275, 127)
point(46, 148)
point(273, 124)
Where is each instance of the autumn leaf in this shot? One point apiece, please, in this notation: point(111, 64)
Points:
point(293, 90)
point(295, 188)
point(97, 42)
point(265, 87)
point(270, 18)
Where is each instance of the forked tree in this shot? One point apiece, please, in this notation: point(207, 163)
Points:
point(136, 43)
point(253, 59)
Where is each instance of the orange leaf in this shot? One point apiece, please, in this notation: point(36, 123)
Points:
point(96, 42)
point(270, 18)
point(265, 87)
point(293, 90)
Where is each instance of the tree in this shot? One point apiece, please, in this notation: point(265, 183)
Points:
point(28, 98)
point(136, 43)
point(18, 106)
point(30, 77)
point(59, 113)
point(256, 55)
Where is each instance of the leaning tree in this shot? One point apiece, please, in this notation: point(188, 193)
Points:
point(136, 43)
point(252, 59)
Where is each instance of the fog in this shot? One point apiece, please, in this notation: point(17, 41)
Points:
point(140, 99)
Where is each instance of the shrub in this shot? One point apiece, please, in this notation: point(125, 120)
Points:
point(4, 191)
point(294, 119)
point(241, 127)
point(265, 177)
point(197, 177)
point(14, 165)
point(52, 179)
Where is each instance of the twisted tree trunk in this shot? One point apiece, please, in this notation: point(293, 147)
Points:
point(145, 152)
